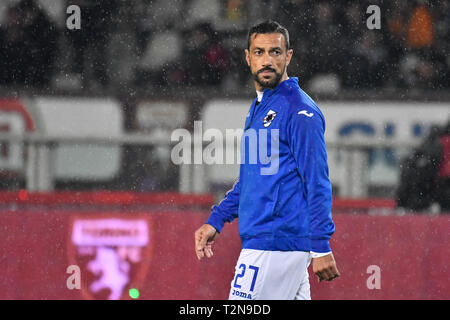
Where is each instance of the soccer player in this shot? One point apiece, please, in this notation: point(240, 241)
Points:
point(284, 214)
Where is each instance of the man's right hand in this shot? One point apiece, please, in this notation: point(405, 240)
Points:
point(204, 238)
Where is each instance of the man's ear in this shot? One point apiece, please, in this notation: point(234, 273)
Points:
point(289, 54)
point(247, 57)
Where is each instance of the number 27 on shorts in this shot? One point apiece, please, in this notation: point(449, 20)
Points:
point(246, 271)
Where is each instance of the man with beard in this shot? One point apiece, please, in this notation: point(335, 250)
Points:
point(284, 214)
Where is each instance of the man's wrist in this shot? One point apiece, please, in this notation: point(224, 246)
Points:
point(215, 222)
point(319, 254)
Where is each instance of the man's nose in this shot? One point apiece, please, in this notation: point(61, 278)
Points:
point(267, 60)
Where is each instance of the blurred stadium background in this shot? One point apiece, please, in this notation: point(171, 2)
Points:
point(86, 117)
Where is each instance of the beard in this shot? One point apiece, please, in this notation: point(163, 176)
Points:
point(267, 83)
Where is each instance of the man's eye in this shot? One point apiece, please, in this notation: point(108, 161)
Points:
point(258, 52)
point(277, 52)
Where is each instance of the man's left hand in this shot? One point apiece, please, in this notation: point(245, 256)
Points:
point(325, 267)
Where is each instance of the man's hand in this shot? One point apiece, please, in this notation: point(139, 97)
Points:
point(325, 267)
point(204, 238)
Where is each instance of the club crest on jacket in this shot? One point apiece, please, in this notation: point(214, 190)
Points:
point(269, 118)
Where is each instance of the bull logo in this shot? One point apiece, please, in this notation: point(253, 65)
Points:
point(113, 255)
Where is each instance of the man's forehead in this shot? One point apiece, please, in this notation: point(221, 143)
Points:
point(267, 40)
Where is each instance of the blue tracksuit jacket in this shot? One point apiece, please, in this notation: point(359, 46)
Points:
point(285, 204)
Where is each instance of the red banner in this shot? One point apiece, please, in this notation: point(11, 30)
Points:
point(152, 250)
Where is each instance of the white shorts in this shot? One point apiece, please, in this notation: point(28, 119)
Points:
point(271, 275)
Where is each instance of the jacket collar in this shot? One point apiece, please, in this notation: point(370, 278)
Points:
point(288, 83)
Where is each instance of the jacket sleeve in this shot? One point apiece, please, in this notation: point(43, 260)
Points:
point(305, 131)
point(227, 209)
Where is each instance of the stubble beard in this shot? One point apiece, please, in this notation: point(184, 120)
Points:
point(270, 83)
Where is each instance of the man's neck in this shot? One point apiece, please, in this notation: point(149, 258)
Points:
point(258, 87)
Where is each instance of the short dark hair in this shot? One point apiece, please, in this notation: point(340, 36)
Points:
point(269, 26)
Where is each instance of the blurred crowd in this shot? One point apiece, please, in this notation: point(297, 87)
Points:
point(174, 43)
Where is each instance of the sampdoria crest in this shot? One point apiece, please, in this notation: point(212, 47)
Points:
point(269, 118)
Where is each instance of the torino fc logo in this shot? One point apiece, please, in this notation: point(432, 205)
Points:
point(113, 255)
